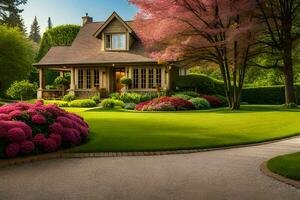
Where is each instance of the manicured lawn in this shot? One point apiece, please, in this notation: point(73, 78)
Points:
point(287, 165)
point(119, 130)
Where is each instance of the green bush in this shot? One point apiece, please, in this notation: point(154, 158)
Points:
point(189, 93)
point(58, 103)
point(96, 98)
point(83, 103)
point(126, 81)
point(130, 106)
point(182, 96)
point(133, 97)
point(119, 103)
point(200, 103)
point(108, 103)
point(61, 81)
point(200, 83)
point(22, 90)
point(223, 100)
point(69, 97)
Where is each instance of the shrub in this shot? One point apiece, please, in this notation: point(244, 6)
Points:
point(177, 104)
point(189, 93)
point(96, 98)
point(61, 81)
point(200, 83)
point(126, 81)
point(40, 128)
point(130, 106)
point(58, 103)
point(134, 97)
point(119, 103)
point(182, 96)
point(213, 101)
point(200, 103)
point(222, 99)
point(83, 103)
point(22, 90)
point(108, 103)
point(69, 97)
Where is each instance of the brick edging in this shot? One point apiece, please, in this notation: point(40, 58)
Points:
point(265, 170)
point(68, 154)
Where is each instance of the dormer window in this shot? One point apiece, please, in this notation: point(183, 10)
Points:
point(115, 41)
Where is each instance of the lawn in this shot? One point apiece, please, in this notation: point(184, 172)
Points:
point(119, 130)
point(287, 165)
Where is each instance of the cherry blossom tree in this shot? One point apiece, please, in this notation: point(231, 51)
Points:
point(189, 31)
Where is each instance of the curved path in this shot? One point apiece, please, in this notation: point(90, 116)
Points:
point(223, 174)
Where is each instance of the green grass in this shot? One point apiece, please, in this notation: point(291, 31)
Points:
point(286, 165)
point(119, 130)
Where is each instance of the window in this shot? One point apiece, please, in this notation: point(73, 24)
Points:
point(135, 78)
point(88, 79)
point(80, 79)
point(143, 76)
point(115, 41)
point(158, 77)
point(96, 78)
point(151, 78)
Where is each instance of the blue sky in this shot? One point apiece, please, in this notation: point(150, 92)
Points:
point(71, 11)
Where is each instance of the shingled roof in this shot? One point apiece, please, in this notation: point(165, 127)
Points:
point(86, 49)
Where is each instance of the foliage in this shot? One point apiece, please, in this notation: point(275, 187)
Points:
point(58, 103)
point(69, 97)
point(200, 103)
point(58, 36)
point(213, 100)
point(126, 81)
point(133, 97)
point(96, 98)
point(36, 128)
point(130, 106)
point(50, 25)
point(16, 57)
point(111, 103)
point(22, 90)
point(119, 103)
point(222, 99)
point(182, 96)
point(61, 81)
point(35, 33)
point(189, 93)
point(201, 83)
point(83, 103)
point(160, 103)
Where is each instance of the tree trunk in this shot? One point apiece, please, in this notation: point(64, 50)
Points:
point(289, 82)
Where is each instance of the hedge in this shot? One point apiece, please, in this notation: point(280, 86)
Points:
point(252, 95)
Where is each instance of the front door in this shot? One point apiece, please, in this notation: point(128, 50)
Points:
point(119, 74)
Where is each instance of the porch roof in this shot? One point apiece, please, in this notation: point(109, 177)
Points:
point(86, 49)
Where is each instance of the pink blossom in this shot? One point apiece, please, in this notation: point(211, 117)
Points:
point(57, 138)
point(38, 119)
point(56, 128)
point(39, 102)
point(16, 135)
point(26, 147)
point(39, 139)
point(65, 122)
point(4, 117)
point(3, 131)
point(49, 145)
point(6, 109)
point(15, 113)
point(12, 150)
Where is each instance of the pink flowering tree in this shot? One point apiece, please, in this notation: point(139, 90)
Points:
point(222, 32)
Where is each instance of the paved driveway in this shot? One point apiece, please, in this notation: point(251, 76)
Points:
point(224, 174)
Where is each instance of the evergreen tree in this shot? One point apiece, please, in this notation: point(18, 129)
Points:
point(35, 34)
point(15, 20)
point(50, 25)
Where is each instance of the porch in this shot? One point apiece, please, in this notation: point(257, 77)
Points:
point(87, 81)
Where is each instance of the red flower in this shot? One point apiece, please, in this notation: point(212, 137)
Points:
point(56, 138)
point(5, 117)
point(65, 122)
point(213, 101)
point(12, 150)
point(49, 145)
point(39, 139)
point(26, 147)
point(38, 119)
point(56, 128)
point(16, 135)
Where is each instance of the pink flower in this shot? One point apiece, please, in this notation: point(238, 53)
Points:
point(49, 145)
point(26, 147)
point(84, 131)
point(39, 102)
point(16, 135)
point(31, 111)
point(12, 150)
point(57, 138)
point(39, 139)
point(3, 130)
point(6, 109)
point(38, 119)
point(65, 122)
point(56, 128)
point(15, 113)
point(4, 117)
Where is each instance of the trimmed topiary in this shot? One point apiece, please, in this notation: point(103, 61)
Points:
point(69, 97)
point(83, 103)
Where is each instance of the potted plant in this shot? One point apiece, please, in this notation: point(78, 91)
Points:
point(127, 82)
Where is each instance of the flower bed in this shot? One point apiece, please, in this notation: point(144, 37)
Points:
point(165, 104)
point(37, 128)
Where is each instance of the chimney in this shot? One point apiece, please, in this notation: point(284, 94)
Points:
point(86, 19)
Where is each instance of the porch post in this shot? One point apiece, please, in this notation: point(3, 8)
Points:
point(41, 83)
point(72, 84)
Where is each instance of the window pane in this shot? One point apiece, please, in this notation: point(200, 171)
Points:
point(96, 78)
point(88, 79)
point(80, 78)
point(135, 78)
point(108, 41)
point(115, 41)
point(118, 41)
point(122, 41)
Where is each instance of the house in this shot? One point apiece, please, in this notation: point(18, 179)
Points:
point(100, 56)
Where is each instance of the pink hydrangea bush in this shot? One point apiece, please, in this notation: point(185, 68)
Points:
point(36, 128)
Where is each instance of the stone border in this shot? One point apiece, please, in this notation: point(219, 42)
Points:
point(67, 154)
point(265, 170)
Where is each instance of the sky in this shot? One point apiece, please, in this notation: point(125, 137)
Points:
point(71, 11)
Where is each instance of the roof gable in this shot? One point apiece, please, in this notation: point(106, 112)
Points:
point(109, 20)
